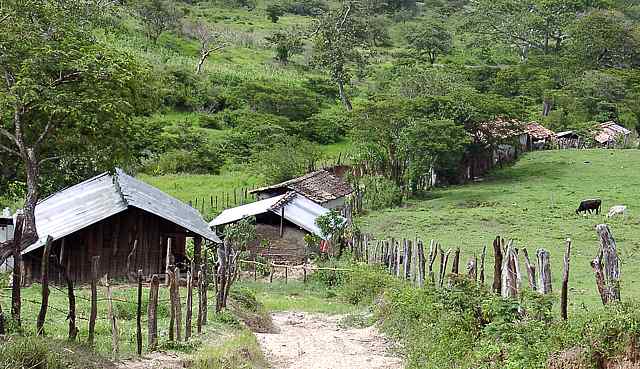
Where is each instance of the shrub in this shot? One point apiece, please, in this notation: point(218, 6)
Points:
point(292, 102)
point(36, 352)
point(327, 126)
point(274, 12)
point(364, 283)
point(380, 193)
point(306, 7)
point(287, 160)
point(201, 160)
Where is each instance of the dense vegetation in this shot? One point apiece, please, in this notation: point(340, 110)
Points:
point(201, 87)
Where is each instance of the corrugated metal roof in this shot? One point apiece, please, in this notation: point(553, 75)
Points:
point(98, 198)
point(609, 131)
point(298, 209)
point(237, 213)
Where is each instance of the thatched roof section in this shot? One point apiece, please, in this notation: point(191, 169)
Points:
point(320, 186)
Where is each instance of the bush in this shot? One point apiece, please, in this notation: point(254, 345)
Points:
point(380, 193)
point(287, 160)
point(364, 283)
point(46, 353)
point(306, 7)
point(292, 102)
point(328, 126)
point(202, 160)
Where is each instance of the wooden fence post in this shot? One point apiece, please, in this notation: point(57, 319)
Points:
point(178, 304)
point(95, 263)
point(153, 313)
point(172, 316)
point(610, 263)
point(45, 287)
point(187, 331)
point(565, 281)
point(421, 264)
point(2, 331)
point(482, 258)
point(510, 272)
point(443, 263)
point(433, 255)
point(497, 265)
point(455, 268)
point(200, 283)
point(139, 315)
point(397, 269)
point(71, 317)
point(544, 267)
point(112, 320)
point(531, 271)
point(472, 268)
point(167, 264)
point(205, 286)
point(407, 259)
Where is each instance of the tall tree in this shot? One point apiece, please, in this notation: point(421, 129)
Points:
point(340, 43)
point(158, 16)
point(428, 40)
point(63, 95)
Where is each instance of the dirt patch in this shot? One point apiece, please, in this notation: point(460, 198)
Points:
point(155, 360)
point(316, 341)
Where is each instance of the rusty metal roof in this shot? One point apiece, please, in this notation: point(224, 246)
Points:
point(538, 131)
point(105, 195)
point(609, 131)
point(320, 186)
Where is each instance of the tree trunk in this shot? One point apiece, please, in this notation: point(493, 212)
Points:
point(343, 96)
point(45, 288)
point(29, 232)
point(16, 300)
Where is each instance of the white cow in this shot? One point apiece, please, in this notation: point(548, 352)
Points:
point(617, 210)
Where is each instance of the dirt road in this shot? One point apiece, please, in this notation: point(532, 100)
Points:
point(315, 341)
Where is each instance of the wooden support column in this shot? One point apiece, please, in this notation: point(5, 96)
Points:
point(45, 287)
point(281, 221)
point(152, 323)
point(168, 262)
point(187, 331)
point(139, 315)
point(95, 265)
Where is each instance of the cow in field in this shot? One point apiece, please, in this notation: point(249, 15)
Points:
point(617, 210)
point(589, 206)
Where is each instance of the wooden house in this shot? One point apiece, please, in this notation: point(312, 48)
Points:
point(322, 187)
point(126, 222)
point(538, 137)
point(611, 135)
point(282, 222)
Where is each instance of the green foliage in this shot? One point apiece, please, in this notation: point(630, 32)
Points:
point(240, 233)
point(286, 160)
point(327, 126)
point(364, 284)
point(240, 351)
point(332, 225)
point(37, 352)
point(305, 7)
point(286, 44)
point(291, 102)
point(380, 193)
point(428, 40)
point(158, 16)
point(274, 12)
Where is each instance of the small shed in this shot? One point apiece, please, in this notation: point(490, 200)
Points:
point(281, 224)
point(321, 186)
point(124, 221)
point(569, 140)
point(538, 136)
point(611, 135)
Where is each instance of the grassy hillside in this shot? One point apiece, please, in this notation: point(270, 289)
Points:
point(533, 203)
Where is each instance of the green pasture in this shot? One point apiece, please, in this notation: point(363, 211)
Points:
point(533, 202)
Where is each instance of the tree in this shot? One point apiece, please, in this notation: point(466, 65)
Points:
point(289, 159)
point(605, 38)
point(428, 40)
point(236, 238)
point(274, 12)
point(158, 16)
point(63, 95)
point(340, 43)
point(286, 44)
point(210, 41)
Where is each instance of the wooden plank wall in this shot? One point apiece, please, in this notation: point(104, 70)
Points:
point(114, 240)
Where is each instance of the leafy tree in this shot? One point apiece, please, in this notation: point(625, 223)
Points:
point(158, 16)
point(339, 43)
point(428, 40)
point(286, 44)
point(333, 227)
point(64, 95)
point(289, 159)
point(274, 12)
point(237, 236)
point(605, 39)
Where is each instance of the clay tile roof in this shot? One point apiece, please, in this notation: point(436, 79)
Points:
point(320, 186)
point(500, 128)
point(539, 132)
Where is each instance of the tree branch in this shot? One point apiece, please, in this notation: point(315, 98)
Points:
point(66, 78)
point(52, 158)
point(44, 133)
point(9, 150)
point(4, 18)
point(8, 135)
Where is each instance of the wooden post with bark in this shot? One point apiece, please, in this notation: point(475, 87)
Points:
point(95, 263)
point(433, 255)
point(482, 259)
point(200, 302)
point(510, 272)
point(421, 263)
point(187, 330)
point(112, 320)
point(444, 260)
point(606, 266)
point(178, 304)
point(455, 268)
point(172, 315)
point(152, 319)
point(407, 259)
point(531, 271)
point(167, 264)
point(472, 268)
point(2, 330)
point(139, 315)
point(205, 287)
point(565, 281)
point(16, 299)
point(42, 316)
point(497, 265)
point(544, 267)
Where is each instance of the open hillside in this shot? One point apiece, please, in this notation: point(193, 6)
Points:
point(533, 202)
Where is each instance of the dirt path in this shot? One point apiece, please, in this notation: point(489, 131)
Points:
point(155, 360)
point(315, 341)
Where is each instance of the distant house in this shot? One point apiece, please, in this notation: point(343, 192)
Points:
point(538, 137)
point(569, 140)
point(610, 135)
point(320, 186)
point(282, 222)
point(126, 222)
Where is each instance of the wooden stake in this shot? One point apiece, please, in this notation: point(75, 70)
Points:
point(531, 271)
point(482, 258)
point(178, 304)
point(497, 266)
point(544, 267)
point(139, 315)
point(172, 316)
point(610, 263)
point(168, 262)
point(565, 281)
point(95, 262)
point(200, 304)
point(456, 262)
point(421, 264)
point(45, 287)
point(112, 320)
point(153, 313)
point(187, 331)
point(16, 299)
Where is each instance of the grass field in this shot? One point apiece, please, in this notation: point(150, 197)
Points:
point(533, 202)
